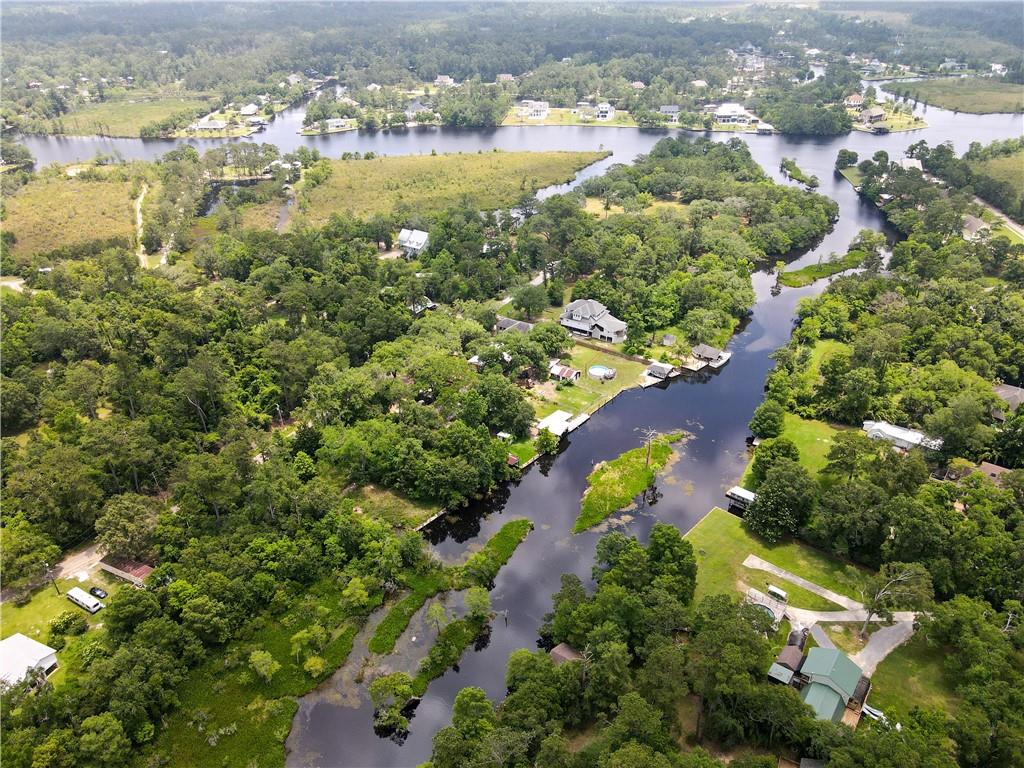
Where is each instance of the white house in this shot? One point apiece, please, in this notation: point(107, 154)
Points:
point(732, 113)
point(592, 318)
point(670, 112)
point(413, 241)
point(911, 162)
point(248, 110)
point(901, 437)
point(605, 111)
point(444, 81)
point(19, 655)
point(533, 110)
point(699, 83)
point(336, 123)
point(373, 87)
point(211, 125)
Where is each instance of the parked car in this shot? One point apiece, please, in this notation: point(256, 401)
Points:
point(97, 592)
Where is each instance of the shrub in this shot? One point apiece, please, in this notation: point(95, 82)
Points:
point(69, 623)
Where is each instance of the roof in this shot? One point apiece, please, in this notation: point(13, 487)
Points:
point(133, 568)
point(416, 239)
point(665, 368)
point(731, 108)
point(564, 652)
point(587, 308)
point(1013, 396)
point(833, 668)
point(993, 471)
point(611, 323)
point(973, 224)
point(560, 371)
point(826, 703)
point(883, 430)
point(706, 351)
point(910, 162)
point(790, 657)
point(556, 423)
point(780, 674)
point(509, 324)
point(669, 109)
point(19, 654)
point(855, 98)
point(873, 112)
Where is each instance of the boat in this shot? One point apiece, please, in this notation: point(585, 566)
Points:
point(721, 360)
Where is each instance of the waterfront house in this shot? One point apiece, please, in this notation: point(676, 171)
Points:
point(670, 112)
point(248, 110)
point(854, 101)
point(706, 352)
point(605, 112)
point(660, 370)
point(901, 437)
point(20, 655)
point(336, 123)
point(413, 242)
point(591, 318)
point(732, 113)
point(908, 163)
point(207, 124)
point(533, 110)
point(872, 115)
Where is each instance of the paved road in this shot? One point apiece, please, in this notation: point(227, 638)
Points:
point(753, 561)
point(823, 640)
point(535, 280)
point(1007, 221)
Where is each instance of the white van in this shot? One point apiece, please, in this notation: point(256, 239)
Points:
point(778, 594)
point(83, 599)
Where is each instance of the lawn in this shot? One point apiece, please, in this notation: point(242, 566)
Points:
point(566, 116)
point(981, 96)
point(595, 205)
point(587, 394)
point(33, 618)
point(614, 484)
point(391, 507)
point(798, 278)
point(822, 349)
point(126, 116)
point(425, 184)
point(721, 544)
point(847, 637)
point(914, 675)
point(57, 211)
point(671, 354)
point(853, 175)
point(812, 438)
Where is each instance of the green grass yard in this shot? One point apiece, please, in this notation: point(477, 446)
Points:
point(391, 507)
point(812, 438)
point(721, 544)
point(586, 395)
point(914, 675)
point(852, 175)
point(798, 278)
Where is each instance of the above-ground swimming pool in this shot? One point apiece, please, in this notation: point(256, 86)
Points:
point(601, 372)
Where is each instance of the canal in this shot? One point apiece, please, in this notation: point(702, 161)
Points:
point(334, 730)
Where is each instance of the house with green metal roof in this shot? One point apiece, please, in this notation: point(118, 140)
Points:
point(832, 682)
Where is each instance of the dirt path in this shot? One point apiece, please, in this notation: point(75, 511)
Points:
point(79, 563)
point(140, 250)
point(14, 283)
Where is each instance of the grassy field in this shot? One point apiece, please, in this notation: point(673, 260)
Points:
point(914, 675)
point(595, 206)
point(566, 116)
point(33, 619)
point(52, 212)
point(428, 184)
point(614, 484)
point(721, 544)
point(1007, 168)
point(586, 395)
point(125, 116)
point(391, 627)
point(389, 506)
point(798, 278)
point(979, 95)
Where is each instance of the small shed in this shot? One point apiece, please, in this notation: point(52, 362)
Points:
point(706, 352)
point(668, 340)
point(790, 657)
point(564, 652)
point(512, 460)
point(660, 370)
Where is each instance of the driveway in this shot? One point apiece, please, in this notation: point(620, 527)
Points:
point(881, 644)
point(80, 563)
point(535, 280)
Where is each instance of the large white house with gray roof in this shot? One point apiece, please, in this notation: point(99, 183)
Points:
point(592, 318)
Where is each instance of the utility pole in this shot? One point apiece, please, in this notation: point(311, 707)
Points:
point(49, 575)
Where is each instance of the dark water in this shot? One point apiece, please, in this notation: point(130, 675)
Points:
point(714, 408)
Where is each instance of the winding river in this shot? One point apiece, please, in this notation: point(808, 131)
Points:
point(331, 730)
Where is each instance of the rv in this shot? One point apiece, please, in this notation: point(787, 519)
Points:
point(83, 599)
point(779, 594)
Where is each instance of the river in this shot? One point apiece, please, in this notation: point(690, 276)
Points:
point(714, 408)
